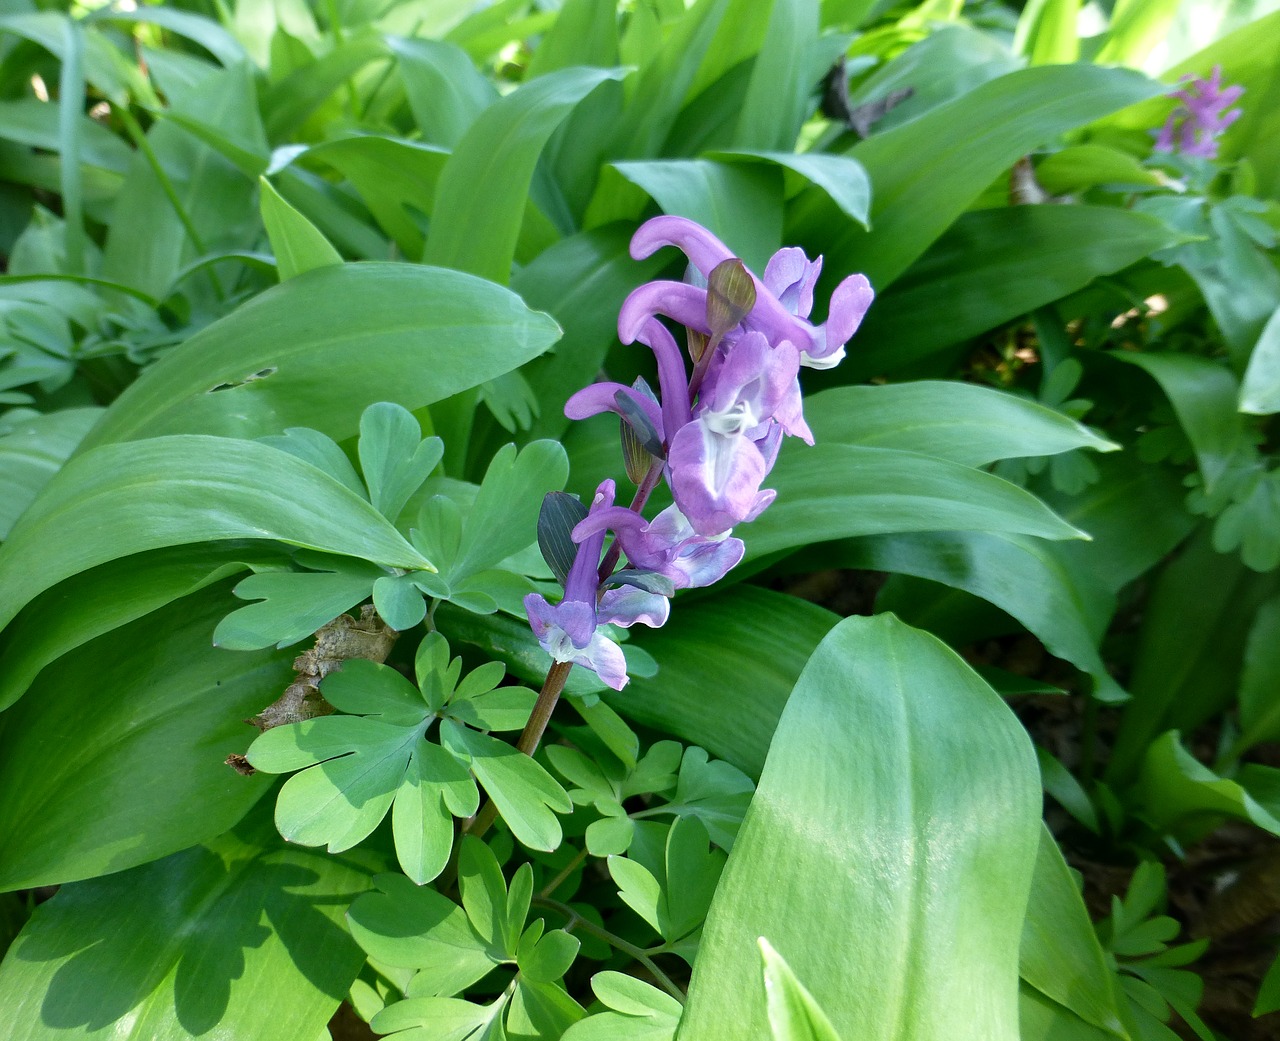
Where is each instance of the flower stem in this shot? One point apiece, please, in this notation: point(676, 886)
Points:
point(576, 921)
point(638, 502)
point(565, 872)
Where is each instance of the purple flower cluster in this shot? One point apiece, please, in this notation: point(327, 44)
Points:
point(1194, 126)
point(718, 429)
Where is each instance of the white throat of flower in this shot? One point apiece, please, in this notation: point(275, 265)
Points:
point(738, 418)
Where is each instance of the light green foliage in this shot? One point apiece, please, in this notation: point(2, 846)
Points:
point(379, 756)
point(793, 1013)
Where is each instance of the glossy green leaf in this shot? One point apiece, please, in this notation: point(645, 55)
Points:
point(841, 177)
point(328, 344)
point(638, 1012)
point(446, 91)
point(240, 937)
point(1269, 991)
point(1042, 1019)
point(777, 96)
point(394, 457)
point(414, 927)
point(1067, 610)
point(527, 797)
point(207, 33)
point(1187, 663)
point(1177, 793)
point(964, 422)
point(739, 203)
point(289, 102)
point(1077, 168)
point(908, 827)
point(976, 276)
point(298, 244)
point(1060, 953)
point(756, 632)
point(292, 605)
point(794, 1015)
point(31, 453)
point(1203, 394)
point(116, 757)
point(1047, 32)
point(1260, 679)
point(1260, 394)
point(836, 491)
point(482, 193)
point(925, 173)
point(106, 597)
point(1137, 27)
point(127, 498)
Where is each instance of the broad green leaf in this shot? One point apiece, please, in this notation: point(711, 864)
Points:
point(638, 1012)
point(328, 344)
point(446, 1019)
point(415, 927)
point(836, 491)
point(482, 192)
point(31, 453)
point(777, 96)
point(1203, 394)
point(925, 173)
point(1260, 394)
point(1269, 991)
point(901, 800)
point(581, 281)
point(320, 451)
point(207, 33)
point(1077, 168)
point(1260, 679)
point(1186, 666)
point(288, 102)
point(1137, 27)
point(964, 422)
point(1060, 954)
point(1041, 1019)
point(976, 277)
point(297, 243)
point(1047, 33)
point(445, 90)
point(1067, 609)
point(167, 491)
point(133, 769)
point(241, 936)
point(758, 633)
point(739, 203)
point(842, 178)
point(794, 1015)
point(527, 797)
point(1177, 793)
point(106, 597)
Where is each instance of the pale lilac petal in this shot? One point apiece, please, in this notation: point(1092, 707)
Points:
point(790, 277)
point(627, 606)
point(705, 562)
point(606, 660)
point(849, 305)
point(790, 414)
point(702, 248)
point(601, 397)
point(715, 480)
point(685, 303)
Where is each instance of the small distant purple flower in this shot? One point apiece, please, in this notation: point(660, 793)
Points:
point(1193, 128)
point(569, 630)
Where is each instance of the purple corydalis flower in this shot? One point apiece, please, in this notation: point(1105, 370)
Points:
point(792, 275)
point(1194, 126)
point(667, 545)
point(569, 630)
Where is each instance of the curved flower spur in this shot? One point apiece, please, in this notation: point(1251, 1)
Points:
point(713, 432)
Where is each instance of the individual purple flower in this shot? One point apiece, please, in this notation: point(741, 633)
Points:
point(569, 631)
point(1193, 128)
point(779, 319)
point(667, 545)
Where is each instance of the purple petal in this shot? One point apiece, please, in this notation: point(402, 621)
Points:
point(705, 561)
point(583, 579)
point(685, 303)
point(702, 248)
point(791, 277)
point(673, 378)
point(849, 305)
point(600, 397)
point(749, 385)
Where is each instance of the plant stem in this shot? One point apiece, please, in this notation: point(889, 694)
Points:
point(576, 921)
point(638, 502)
point(565, 872)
